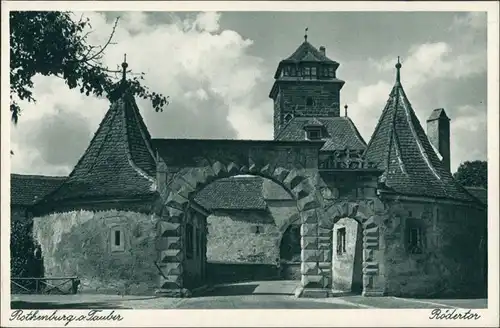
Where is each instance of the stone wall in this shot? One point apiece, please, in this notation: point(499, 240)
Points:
point(79, 243)
point(347, 268)
point(449, 264)
point(325, 99)
point(242, 237)
point(250, 236)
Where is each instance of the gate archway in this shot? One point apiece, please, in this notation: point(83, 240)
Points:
point(369, 215)
point(189, 165)
point(186, 183)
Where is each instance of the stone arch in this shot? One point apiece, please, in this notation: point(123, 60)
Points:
point(369, 214)
point(188, 181)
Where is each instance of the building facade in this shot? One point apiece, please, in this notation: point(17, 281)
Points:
point(316, 204)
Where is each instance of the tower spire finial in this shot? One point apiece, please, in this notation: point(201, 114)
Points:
point(124, 67)
point(398, 75)
point(345, 110)
point(305, 35)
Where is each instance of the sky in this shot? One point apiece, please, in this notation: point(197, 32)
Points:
point(218, 67)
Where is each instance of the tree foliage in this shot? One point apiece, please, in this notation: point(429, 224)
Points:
point(23, 262)
point(55, 44)
point(473, 174)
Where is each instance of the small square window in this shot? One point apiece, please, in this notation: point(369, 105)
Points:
point(341, 236)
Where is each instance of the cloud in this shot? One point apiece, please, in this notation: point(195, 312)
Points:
point(431, 61)
point(437, 74)
point(205, 70)
point(218, 78)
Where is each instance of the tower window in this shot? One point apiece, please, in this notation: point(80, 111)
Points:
point(309, 101)
point(293, 72)
point(287, 118)
point(341, 236)
point(313, 71)
point(331, 73)
point(307, 72)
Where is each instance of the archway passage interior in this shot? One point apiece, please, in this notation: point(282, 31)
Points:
point(247, 218)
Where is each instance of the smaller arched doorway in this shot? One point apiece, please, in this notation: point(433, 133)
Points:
point(347, 256)
point(290, 250)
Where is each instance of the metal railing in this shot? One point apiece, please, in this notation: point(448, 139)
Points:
point(52, 285)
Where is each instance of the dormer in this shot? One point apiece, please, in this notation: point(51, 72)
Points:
point(314, 130)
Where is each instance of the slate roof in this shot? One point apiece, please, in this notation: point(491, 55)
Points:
point(480, 193)
point(244, 193)
point(306, 52)
point(341, 132)
point(400, 147)
point(26, 190)
point(119, 162)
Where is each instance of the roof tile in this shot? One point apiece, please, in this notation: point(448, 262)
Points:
point(341, 132)
point(26, 190)
point(400, 147)
point(243, 193)
point(119, 161)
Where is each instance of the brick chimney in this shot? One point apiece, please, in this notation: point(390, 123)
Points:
point(322, 49)
point(438, 131)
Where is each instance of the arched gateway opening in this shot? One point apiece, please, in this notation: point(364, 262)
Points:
point(245, 219)
point(293, 166)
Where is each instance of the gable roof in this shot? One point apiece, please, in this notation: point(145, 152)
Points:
point(341, 132)
point(119, 161)
point(400, 147)
point(234, 193)
point(26, 190)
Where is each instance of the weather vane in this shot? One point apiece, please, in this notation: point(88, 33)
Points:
point(124, 66)
point(398, 74)
point(305, 35)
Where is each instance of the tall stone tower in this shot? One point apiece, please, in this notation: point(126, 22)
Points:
point(306, 85)
point(438, 131)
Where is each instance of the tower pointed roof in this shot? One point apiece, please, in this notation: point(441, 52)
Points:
point(400, 147)
point(119, 161)
point(306, 52)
